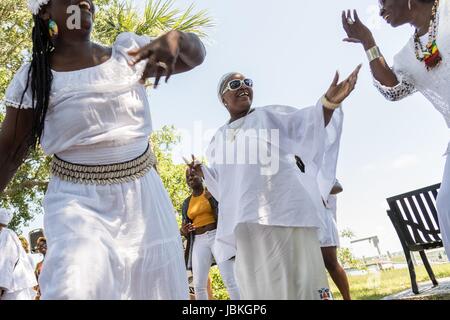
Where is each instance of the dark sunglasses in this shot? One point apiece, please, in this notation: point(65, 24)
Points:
point(236, 84)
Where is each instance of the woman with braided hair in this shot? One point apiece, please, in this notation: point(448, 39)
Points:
point(110, 225)
point(422, 65)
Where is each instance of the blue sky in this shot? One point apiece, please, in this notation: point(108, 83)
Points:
point(291, 50)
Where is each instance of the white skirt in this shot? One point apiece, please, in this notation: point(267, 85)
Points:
point(112, 242)
point(279, 263)
point(443, 208)
point(329, 234)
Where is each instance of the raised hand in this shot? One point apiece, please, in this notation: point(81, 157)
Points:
point(356, 31)
point(194, 165)
point(162, 55)
point(338, 92)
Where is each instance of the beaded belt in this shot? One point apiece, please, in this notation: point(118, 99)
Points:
point(104, 174)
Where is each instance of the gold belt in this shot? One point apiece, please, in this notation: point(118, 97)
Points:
point(104, 174)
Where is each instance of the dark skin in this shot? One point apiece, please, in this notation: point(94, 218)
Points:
point(74, 50)
point(194, 181)
point(396, 13)
point(42, 247)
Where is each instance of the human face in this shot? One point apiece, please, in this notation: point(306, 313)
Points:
point(240, 100)
point(42, 247)
point(193, 179)
point(395, 12)
point(74, 18)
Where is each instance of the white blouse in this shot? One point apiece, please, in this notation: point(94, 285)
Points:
point(102, 108)
point(413, 75)
point(252, 170)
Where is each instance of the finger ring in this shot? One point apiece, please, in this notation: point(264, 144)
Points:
point(350, 21)
point(162, 65)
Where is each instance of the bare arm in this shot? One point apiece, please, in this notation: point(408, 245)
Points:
point(15, 130)
point(359, 33)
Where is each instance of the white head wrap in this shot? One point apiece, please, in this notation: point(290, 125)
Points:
point(36, 5)
point(222, 83)
point(5, 216)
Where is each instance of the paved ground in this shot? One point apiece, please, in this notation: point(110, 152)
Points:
point(426, 292)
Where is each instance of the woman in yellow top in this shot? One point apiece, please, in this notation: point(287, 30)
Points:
point(199, 225)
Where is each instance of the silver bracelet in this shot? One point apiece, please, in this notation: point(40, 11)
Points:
point(373, 53)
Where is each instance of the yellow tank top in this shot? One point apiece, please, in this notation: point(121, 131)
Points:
point(200, 211)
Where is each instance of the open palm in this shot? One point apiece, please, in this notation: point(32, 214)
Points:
point(338, 92)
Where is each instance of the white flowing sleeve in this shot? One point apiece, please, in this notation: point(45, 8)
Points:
point(15, 95)
point(308, 138)
point(9, 256)
point(209, 171)
point(127, 41)
point(211, 180)
point(326, 176)
point(405, 86)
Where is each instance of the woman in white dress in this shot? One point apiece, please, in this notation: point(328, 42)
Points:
point(263, 167)
point(423, 65)
point(110, 225)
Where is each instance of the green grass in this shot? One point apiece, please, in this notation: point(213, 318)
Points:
point(376, 286)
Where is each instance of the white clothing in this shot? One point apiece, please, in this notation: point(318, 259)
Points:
point(117, 241)
point(329, 236)
point(252, 187)
point(202, 254)
point(16, 274)
point(5, 216)
point(443, 208)
point(25, 294)
point(434, 85)
point(286, 263)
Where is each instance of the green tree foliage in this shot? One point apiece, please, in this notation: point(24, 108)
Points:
point(25, 192)
point(172, 175)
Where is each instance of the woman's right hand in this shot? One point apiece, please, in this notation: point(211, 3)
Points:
point(357, 32)
point(187, 228)
point(195, 166)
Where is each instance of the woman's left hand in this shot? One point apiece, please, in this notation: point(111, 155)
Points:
point(338, 92)
point(162, 55)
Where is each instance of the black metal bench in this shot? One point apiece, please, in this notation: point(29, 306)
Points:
point(414, 217)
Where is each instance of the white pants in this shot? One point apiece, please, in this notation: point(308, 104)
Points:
point(443, 208)
point(279, 263)
point(201, 263)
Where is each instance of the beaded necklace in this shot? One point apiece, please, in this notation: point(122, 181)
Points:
point(430, 55)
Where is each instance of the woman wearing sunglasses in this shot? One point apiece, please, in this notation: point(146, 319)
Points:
point(263, 169)
point(422, 65)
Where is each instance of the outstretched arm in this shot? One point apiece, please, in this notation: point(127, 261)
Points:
point(338, 92)
point(14, 134)
point(357, 32)
point(174, 52)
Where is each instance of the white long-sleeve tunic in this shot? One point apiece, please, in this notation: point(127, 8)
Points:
point(260, 182)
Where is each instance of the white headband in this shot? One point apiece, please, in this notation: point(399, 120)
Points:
point(5, 216)
point(35, 5)
point(222, 84)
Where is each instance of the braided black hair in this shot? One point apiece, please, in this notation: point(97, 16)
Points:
point(39, 78)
